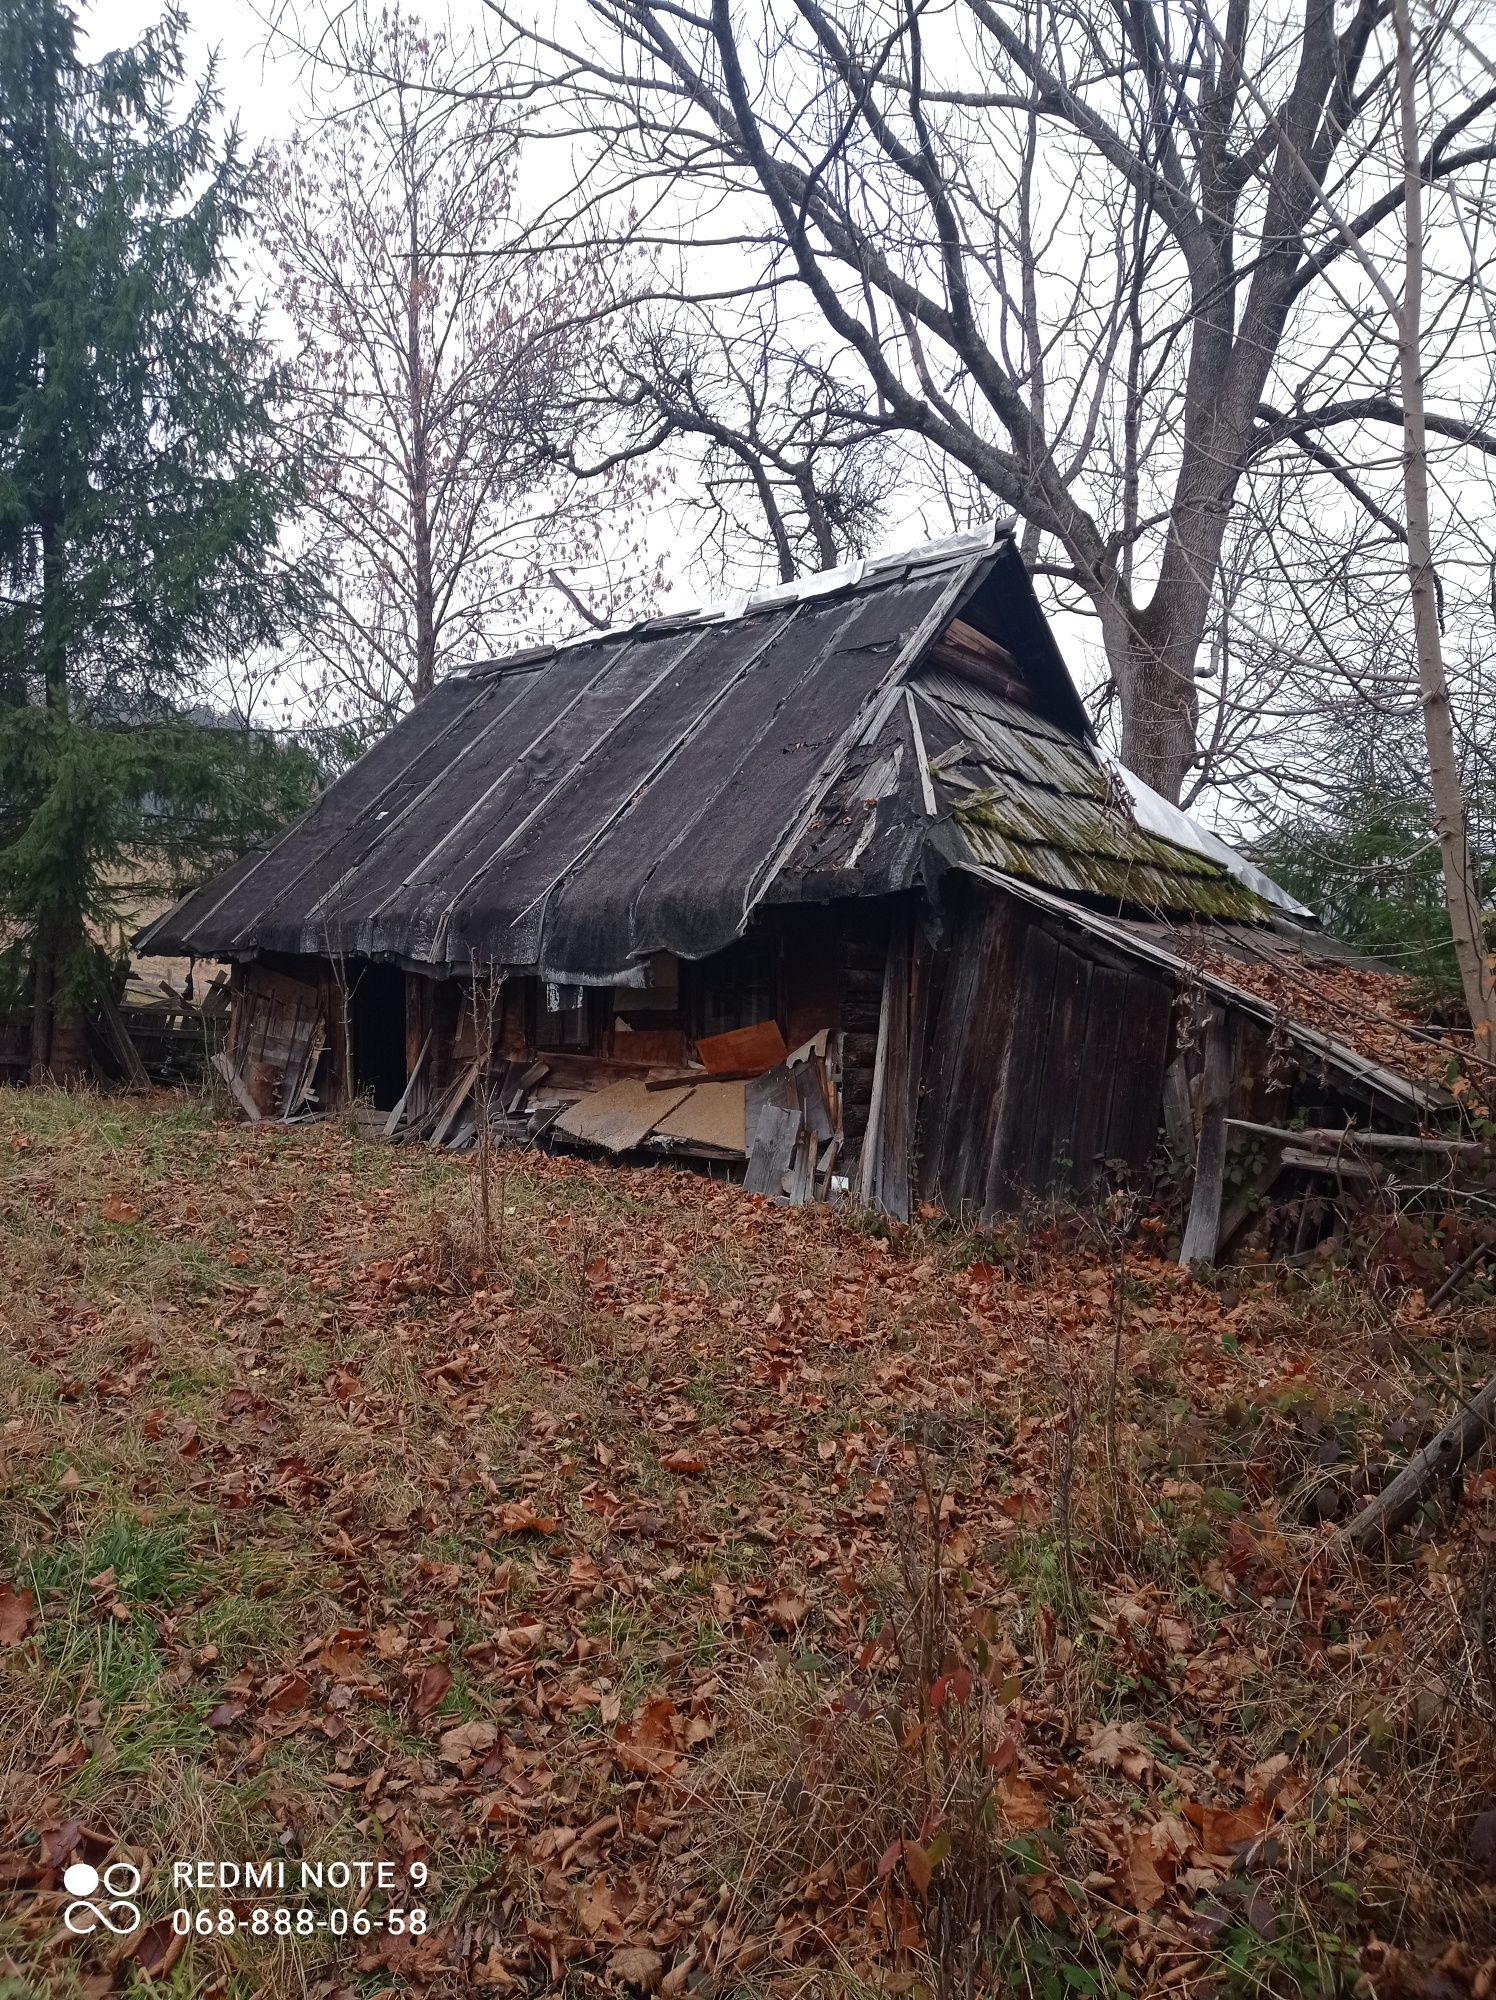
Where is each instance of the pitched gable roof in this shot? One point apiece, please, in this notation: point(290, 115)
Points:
point(574, 809)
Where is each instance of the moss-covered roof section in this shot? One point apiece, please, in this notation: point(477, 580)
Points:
point(1029, 799)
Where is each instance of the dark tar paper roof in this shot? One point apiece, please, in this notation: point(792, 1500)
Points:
point(574, 809)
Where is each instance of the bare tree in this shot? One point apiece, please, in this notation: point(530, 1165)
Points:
point(1460, 890)
point(1393, 316)
point(1081, 252)
point(774, 469)
point(435, 354)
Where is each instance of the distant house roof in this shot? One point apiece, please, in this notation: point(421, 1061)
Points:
point(575, 808)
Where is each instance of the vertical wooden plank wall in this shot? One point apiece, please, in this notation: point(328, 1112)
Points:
point(1030, 1098)
point(1102, 1051)
point(1136, 1113)
point(969, 1051)
point(1047, 1061)
point(886, 1166)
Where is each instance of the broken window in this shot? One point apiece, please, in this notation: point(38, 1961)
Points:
point(660, 996)
point(737, 987)
point(562, 1018)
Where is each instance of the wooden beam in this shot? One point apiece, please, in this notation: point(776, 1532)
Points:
point(1202, 1231)
point(1439, 1459)
point(921, 757)
point(235, 1083)
point(392, 1122)
point(457, 1097)
point(1339, 1166)
point(1330, 1139)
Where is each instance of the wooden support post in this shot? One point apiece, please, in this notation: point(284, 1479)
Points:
point(1202, 1231)
point(1179, 1131)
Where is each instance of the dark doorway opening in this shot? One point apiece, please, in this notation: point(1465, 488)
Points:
point(378, 1005)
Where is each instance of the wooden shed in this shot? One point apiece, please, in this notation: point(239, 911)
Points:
point(832, 888)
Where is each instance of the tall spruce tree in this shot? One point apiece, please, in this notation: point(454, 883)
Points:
point(142, 488)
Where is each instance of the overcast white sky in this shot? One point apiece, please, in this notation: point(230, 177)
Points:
point(261, 87)
point(257, 88)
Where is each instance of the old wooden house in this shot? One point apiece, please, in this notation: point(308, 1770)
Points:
point(832, 888)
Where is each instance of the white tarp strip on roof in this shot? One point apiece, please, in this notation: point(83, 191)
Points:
point(1154, 814)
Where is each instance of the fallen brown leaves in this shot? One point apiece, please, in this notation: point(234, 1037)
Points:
point(17, 1610)
point(582, 1582)
point(1376, 1013)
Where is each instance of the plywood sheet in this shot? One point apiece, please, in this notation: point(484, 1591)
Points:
point(754, 1049)
point(650, 1046)
point(711, 1114)
point(620, 1116)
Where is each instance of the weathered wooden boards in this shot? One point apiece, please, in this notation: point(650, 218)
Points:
point(450, 1116)
point(173, 1035)
point(886, 1165)
point(237, 1086)
point(150, 1033)
point(117, 1037)
point(277, 1039)
point(414, 1082)
point(1045, 1061)
point(776, 1133)
point(1339, 1153)
point(752, 1102)
point(794, 1126)
point(976, 657)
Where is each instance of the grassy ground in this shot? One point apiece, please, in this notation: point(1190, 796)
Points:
point(704, 1598)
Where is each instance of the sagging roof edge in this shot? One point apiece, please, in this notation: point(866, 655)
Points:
point(1421, 1098)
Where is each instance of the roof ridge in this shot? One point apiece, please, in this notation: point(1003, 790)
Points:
point(862, 570)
